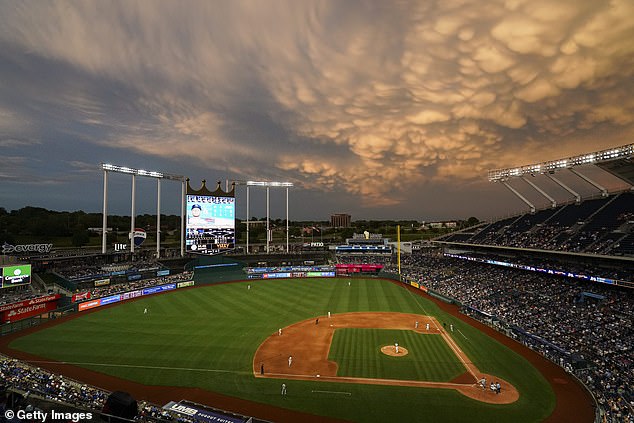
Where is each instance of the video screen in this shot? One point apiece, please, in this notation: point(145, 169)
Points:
point(16, 275)
point(210, 227)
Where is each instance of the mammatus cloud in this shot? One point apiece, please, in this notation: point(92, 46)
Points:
point(366, 97)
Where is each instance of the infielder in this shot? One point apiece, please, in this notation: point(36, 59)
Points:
point(290, 360)
point(279, 332)
point(416, 325)
point(283, 389)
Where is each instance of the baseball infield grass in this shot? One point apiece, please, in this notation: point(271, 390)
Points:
point(207, 337)
point(357, 352)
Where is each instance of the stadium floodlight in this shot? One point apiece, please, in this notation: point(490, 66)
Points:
point(267, 185)
point(623, 152)
point(107, 167)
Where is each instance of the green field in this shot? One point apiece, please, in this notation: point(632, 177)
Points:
point(207, 337)
point(357, 353)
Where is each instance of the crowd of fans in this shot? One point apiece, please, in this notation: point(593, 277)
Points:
point(597, 228)
point(585, 327)
point(28, 385)
point(104, 291)
point(13, 295)
point(82, 271)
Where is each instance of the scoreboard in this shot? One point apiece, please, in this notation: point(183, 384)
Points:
point(15, 275)
point(210, 225)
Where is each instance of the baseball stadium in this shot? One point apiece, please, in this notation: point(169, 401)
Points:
point(522, 319)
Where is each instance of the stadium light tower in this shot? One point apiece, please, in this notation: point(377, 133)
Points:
point(150, 174)
point(267, 185)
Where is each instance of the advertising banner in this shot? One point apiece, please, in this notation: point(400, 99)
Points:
point(111, 299)
point(31, 302)
point(102, 282)
point(16, 275)
point(415, 284)
point(201, 413)
point(155, 289)
point(184, 284)
point(28, 311)
point(89, 304)
point(131, 294)
point(82, 296)
point(165, 272)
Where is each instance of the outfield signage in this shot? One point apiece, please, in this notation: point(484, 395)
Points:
point(102, 282)
point(23, 309)
point(200, 413)
point(26, 248)
point(544, 270)
point(111, 299)
point(15, 275)
point(160, 288)
point(82, 296)
point(131, 294)
point(26, 303)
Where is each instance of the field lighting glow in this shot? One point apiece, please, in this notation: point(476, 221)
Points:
point(626, 151)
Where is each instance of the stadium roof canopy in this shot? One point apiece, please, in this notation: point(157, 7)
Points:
point(617, 161)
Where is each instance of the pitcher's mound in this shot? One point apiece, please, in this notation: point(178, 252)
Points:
point(391, 351)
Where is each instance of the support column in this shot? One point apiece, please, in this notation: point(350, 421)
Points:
point(553, 203)
point(604, 192)
point(104, 224)
point(133, 213)
point(248, 220)
point(520, 196)
point(268, 234)
point(566, 187)
point(158, 218)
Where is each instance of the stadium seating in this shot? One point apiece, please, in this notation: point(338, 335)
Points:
point(598, 226)
point(568, 321)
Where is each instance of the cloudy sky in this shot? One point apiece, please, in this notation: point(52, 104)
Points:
point(381, 109)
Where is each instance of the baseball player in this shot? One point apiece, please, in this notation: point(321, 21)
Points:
point(283, 389)
point(396, 347)
point(427, 326)
point(290, 360)
point(145, 311)
point(416, 325)
point(279, 332)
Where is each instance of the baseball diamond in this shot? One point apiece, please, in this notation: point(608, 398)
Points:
point(210, 344)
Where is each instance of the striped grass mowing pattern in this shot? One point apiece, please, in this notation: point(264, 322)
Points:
point(358, 354)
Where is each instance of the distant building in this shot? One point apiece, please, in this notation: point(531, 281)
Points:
point(340, 220)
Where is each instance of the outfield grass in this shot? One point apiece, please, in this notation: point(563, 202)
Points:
point(207, 337)
point(358, 354)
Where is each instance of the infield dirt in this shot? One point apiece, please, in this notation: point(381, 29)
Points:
point(301, 352)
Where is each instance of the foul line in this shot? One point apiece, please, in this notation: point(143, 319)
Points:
point(332, 392)
point(461, 333)
point(189, 369)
